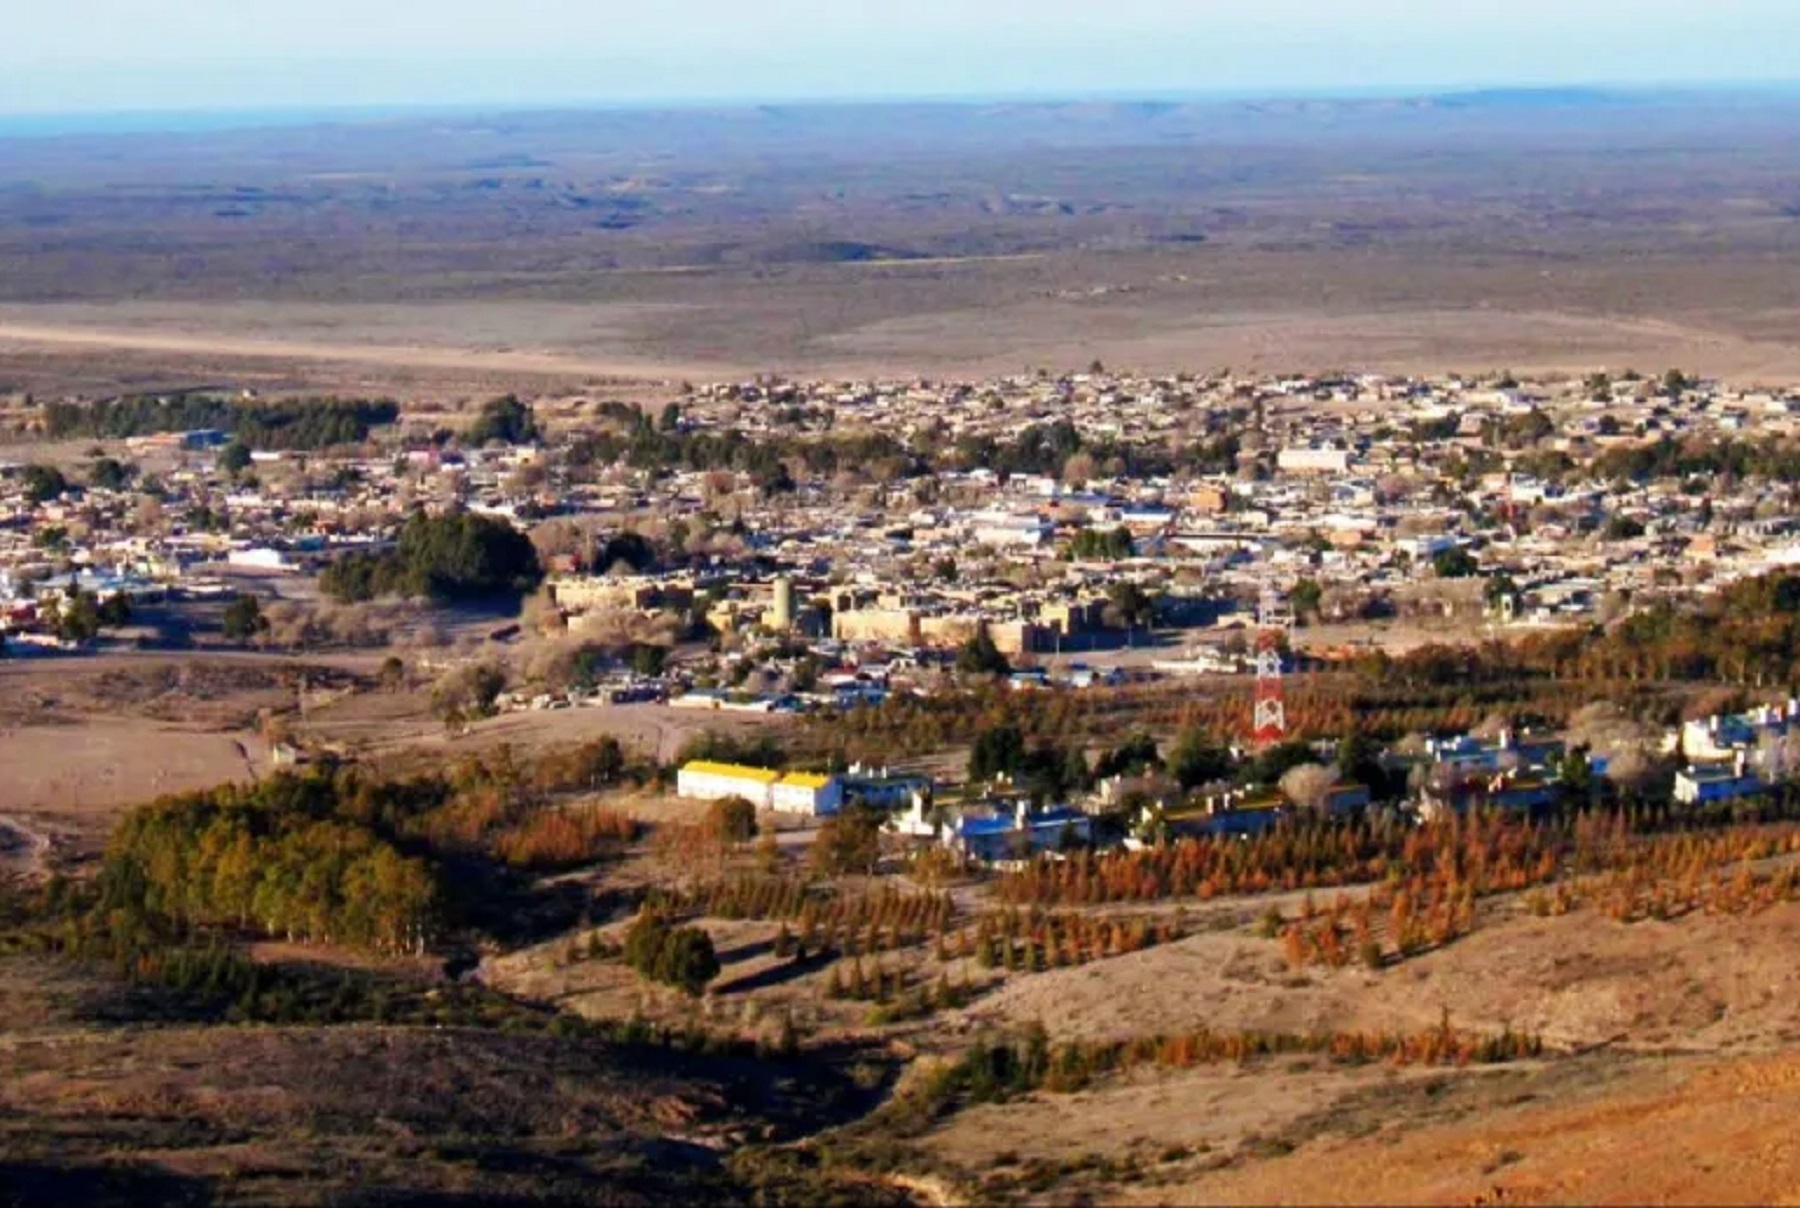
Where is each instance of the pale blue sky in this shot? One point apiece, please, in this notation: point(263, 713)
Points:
point(71, 55)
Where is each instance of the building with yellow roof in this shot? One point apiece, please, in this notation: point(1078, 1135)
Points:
point(808, 793)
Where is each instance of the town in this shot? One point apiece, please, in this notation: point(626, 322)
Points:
point(774, 548)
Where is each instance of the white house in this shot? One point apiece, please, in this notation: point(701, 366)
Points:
point(704, 780)
point(804, 793)
point(807, 793)
point(1313, 461)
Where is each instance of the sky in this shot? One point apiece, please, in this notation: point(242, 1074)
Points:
point(62, 56)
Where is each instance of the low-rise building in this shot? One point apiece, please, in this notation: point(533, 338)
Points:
point(704, 780)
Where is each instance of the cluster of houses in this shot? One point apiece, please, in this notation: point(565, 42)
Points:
point(1235, 484)
point(1721, 759)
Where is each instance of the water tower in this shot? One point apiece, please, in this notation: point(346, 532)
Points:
point(781, 614)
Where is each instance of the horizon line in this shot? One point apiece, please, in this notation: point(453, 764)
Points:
point(192, 119)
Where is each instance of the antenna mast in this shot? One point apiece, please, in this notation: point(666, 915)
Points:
point(1273, 621)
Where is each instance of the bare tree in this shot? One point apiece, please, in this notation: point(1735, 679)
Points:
point(1308, 785)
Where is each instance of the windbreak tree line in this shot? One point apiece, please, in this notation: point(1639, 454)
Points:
point(315, 423)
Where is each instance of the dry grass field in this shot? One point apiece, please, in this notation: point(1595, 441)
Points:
point(617, 251)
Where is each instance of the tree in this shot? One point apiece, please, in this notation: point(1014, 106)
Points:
point(1136, 755)
point(1623, 528)
point(849, 842)
point(454, 557)
point(506, 420)
point(630, 549)
point(234, 458)
point(648, 660)
point(775, 480)
point(44, 483)
point(1276, 762)
point(1499, 589)
point(997, 752)
point(115, 610)
point(687, 961)
point(979, 656)
point(109, 474)
point(467, 692)
point(1103, 545)
point(1576, 774)
point(1307, 785)
point(732, 819)
point(1359, 762)
point(1197, 759)
point(1135, 606)
point(1455, 563)
point(244, 619)
point(78, 617)
point(1305, 600)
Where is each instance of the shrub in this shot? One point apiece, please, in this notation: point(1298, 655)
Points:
point(682, 957)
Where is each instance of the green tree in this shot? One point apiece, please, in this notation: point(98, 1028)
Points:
point(1623, 528)
point(687, 961)
point(392, 675)
point(649, 660)
point(682, 957)
point(1305, 600)
point(43, 483)
point(630, 549)
point(1359, 762)
point(467, 692)
point(78, 617)
point(115, 610)
point(1135, 606)
point(1276, 762)
point(110, 474)
point(1455, 563)
point(979, 656)
point(1576, 775)
point(1110, 545)
point(243, 619)
point(999, 751)
point(1197, 759)
point(234, 458)
point(506, 420)
point(454, 557)
point(1136, 755)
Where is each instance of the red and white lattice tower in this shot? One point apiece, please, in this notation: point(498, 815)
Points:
point(1273, 620)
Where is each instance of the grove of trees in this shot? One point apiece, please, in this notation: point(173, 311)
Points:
point(454, 557)
point(311, 423)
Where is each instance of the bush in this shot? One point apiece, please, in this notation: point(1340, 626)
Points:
point(733, 819)
point(849, 842)
point(682, 957)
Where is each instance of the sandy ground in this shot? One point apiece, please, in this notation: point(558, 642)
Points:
point(1178, 325)
point(1701, 983)
point(388, 722)
point(105, 763)
point(1673, 1133)
point(220, 346)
